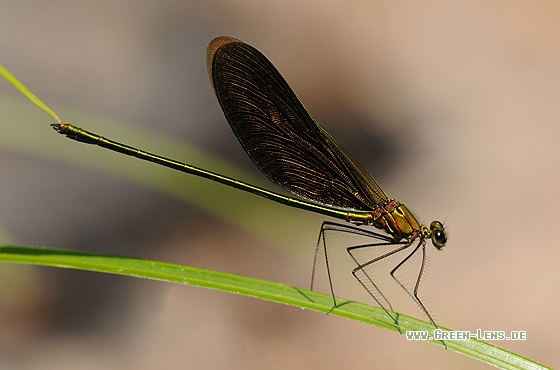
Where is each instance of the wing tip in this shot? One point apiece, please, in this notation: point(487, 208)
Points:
point(213, 46)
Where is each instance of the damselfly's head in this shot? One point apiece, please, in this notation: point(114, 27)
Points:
point(439, 238)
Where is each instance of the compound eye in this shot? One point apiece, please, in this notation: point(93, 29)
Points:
point(439, 239)
point(436, 225)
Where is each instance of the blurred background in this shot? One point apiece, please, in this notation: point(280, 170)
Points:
point(452, 106)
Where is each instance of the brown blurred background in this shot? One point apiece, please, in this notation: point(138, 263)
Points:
point(453, 106)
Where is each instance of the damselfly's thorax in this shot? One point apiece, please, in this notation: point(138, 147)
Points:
point(396, 220)
point(399, 222)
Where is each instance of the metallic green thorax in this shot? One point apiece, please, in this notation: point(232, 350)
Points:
point(394, 218)
point(399, 223)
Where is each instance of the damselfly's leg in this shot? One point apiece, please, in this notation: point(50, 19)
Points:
point(414, 295)
point(322, 245)
point(366, 281)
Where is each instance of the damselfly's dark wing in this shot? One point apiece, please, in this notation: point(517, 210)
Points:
point(278, 133)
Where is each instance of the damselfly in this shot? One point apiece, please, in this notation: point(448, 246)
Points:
point(297, 154)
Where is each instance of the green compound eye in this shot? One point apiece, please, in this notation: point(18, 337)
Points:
point(439, 238)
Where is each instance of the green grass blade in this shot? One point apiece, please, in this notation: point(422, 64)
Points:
point(25, 91)
point(260, 289)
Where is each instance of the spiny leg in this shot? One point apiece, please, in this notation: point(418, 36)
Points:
point(361, 269)
point(322, 241)
point(414, 296)
point(323, 245)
